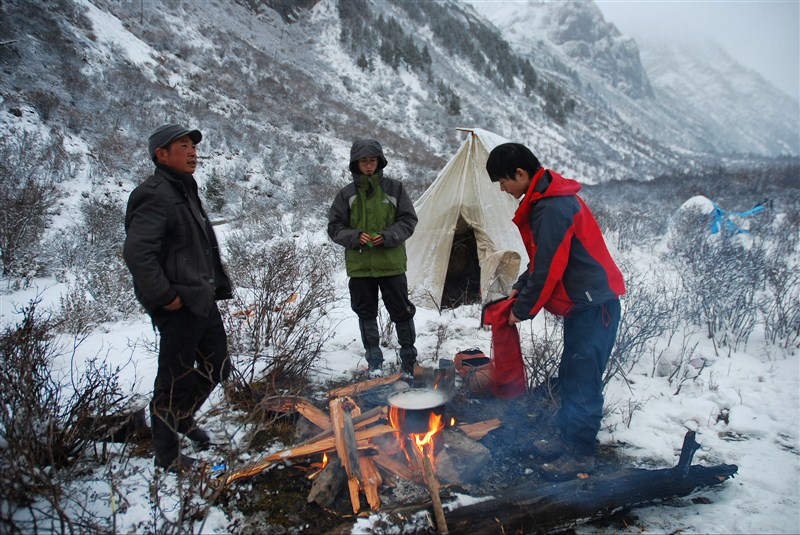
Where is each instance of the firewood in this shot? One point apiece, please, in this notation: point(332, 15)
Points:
point(325, 445)
point(346, 448)
point(327, 484)
point(301, 405)
point(370, 481)
point(433, 488)
point(478, 430)
point(363, 386)
point(393, 466)
point(362, 420)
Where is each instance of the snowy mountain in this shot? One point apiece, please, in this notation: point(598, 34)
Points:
point(695, 98)
point(282, 93)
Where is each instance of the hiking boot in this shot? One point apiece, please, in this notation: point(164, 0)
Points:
point(196, 434)
point(179, 465)
point(408, 358)
point(549, 449)
point(567, 467)
point(375, 370)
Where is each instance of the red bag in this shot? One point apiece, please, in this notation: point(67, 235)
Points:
point(508, 373)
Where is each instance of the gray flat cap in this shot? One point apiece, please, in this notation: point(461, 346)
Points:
point(167, 133)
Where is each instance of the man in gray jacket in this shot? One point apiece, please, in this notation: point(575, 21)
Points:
point(172, 252)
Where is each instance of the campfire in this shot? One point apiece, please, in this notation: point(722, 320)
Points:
point(403, 438)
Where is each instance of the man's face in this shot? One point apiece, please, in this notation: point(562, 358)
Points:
point(179, 155)
point(367, 166)
point(516, 186)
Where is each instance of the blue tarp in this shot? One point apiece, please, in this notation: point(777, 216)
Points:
point(721, 219)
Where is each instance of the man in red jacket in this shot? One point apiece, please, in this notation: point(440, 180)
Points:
point(571, 274)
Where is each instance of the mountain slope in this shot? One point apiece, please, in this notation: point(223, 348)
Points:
point(281, 94)
point(697, 99)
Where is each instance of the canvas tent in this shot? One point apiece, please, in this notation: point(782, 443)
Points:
point(465, 249)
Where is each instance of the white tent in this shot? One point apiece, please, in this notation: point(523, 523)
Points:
point(465, 248)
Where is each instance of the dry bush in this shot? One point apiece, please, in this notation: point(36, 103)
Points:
point(30, 171)
point(722, 278)
point(48, 420)
point(649, 311)
point(542, 351)
point(278, 321)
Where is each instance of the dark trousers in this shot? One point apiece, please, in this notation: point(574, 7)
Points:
point(364, 302)
point(192, 360)
point(589, 337)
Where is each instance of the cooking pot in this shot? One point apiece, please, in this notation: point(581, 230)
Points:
point(411, 410)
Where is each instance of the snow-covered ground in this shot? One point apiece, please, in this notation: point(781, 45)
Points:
point(744, 407)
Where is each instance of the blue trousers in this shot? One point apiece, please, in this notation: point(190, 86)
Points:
point(589, 337)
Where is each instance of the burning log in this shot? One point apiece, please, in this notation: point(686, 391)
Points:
point(325, 445)
point(433, 487)
point(327, 484)
point(558, 506)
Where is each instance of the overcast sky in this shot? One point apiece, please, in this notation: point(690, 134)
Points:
point(763, 35)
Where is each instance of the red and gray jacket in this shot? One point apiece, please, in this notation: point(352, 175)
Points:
point(569, 266)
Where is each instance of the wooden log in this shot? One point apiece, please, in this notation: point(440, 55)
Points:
point(370, 481)
point(363, 386)
point(360, 421)
point(327, 484)
point(558, 506)
point(429, 478)
point(325, 445)
point(299, 404)
point(344, 440)
point(478, 430)
point(395, 467)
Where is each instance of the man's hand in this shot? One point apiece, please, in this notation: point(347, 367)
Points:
point(176, 304)
point(513, 294)
point(512, 319)
point(377, 240)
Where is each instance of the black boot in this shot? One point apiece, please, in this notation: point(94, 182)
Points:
point(166, 447)
point(188, 427)
point(370, 336)
point(406, 336)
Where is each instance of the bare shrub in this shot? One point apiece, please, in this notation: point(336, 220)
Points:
point(47, 420)
point(278, 319)
point(649, 310)
point(541, 352)
point(722, 276)
point(30, 170)
point(781, 311)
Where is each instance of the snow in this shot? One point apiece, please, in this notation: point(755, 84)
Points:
point(744, 407)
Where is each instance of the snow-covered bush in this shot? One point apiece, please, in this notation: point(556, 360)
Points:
point(278, 324)
point(48, 419)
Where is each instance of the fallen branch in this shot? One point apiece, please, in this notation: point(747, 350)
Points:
point(558, 506)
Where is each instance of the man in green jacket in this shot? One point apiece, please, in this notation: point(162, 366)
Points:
point(371, 218)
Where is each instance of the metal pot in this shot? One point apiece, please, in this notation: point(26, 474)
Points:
point(411, 410)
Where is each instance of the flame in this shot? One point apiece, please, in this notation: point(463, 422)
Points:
point(324, 460)
point(426, 439)
point(424, 442)
point(452, 422)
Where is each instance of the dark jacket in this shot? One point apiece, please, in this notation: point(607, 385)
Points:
point(570, 266)
point(170, 247)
